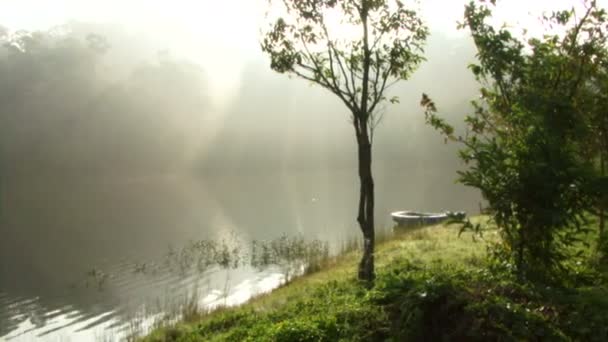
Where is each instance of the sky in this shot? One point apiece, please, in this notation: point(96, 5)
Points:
point(229, 28)
point(228, 24)
point(231, 17)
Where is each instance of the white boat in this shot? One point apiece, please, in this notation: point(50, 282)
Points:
point(414, 218)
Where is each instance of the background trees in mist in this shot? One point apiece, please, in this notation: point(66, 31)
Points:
point(68, 105)
point(88, 99)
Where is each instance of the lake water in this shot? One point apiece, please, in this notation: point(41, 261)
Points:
point(57, 232)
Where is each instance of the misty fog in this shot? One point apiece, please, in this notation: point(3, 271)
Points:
point(113, 147)
point(85, 100)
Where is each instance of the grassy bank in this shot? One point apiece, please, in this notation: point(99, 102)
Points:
point(431, 285)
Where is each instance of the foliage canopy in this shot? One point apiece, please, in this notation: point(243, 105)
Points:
point(524, 143)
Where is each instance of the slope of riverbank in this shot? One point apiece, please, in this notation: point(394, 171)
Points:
point(431, 285)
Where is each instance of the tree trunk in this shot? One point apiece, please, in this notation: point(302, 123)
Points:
point(365, 215)
point(520, 262)
point(602, 200)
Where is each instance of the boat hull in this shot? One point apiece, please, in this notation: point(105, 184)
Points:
point(417, 219)
point(411, 218)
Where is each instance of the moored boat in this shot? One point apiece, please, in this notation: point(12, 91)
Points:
point(414, 218)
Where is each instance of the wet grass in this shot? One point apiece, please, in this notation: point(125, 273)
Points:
point(420, 246)
point(292, 256)
point(432, 285)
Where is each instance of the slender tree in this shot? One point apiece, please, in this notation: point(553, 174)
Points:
point(356, 49)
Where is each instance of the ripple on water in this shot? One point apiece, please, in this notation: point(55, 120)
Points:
point(87, 321)
point(128, 298)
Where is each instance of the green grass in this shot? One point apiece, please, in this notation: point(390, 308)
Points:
point(431, 285)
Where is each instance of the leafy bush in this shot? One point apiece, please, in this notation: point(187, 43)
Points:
point(474, 304)
point(525, 140)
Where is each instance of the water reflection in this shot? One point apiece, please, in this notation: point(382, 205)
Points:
point(62, 237)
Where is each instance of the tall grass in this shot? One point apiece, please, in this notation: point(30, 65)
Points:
point(422, 246)
point(293, 256)
point(355, 243)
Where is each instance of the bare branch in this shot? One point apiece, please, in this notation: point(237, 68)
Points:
point(383, 88)
point(318, 70)
point(331, 51)
point(574, 37)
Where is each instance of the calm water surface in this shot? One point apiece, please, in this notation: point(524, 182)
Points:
point(56, 232)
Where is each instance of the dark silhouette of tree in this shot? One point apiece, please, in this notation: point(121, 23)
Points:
point(356, 49)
